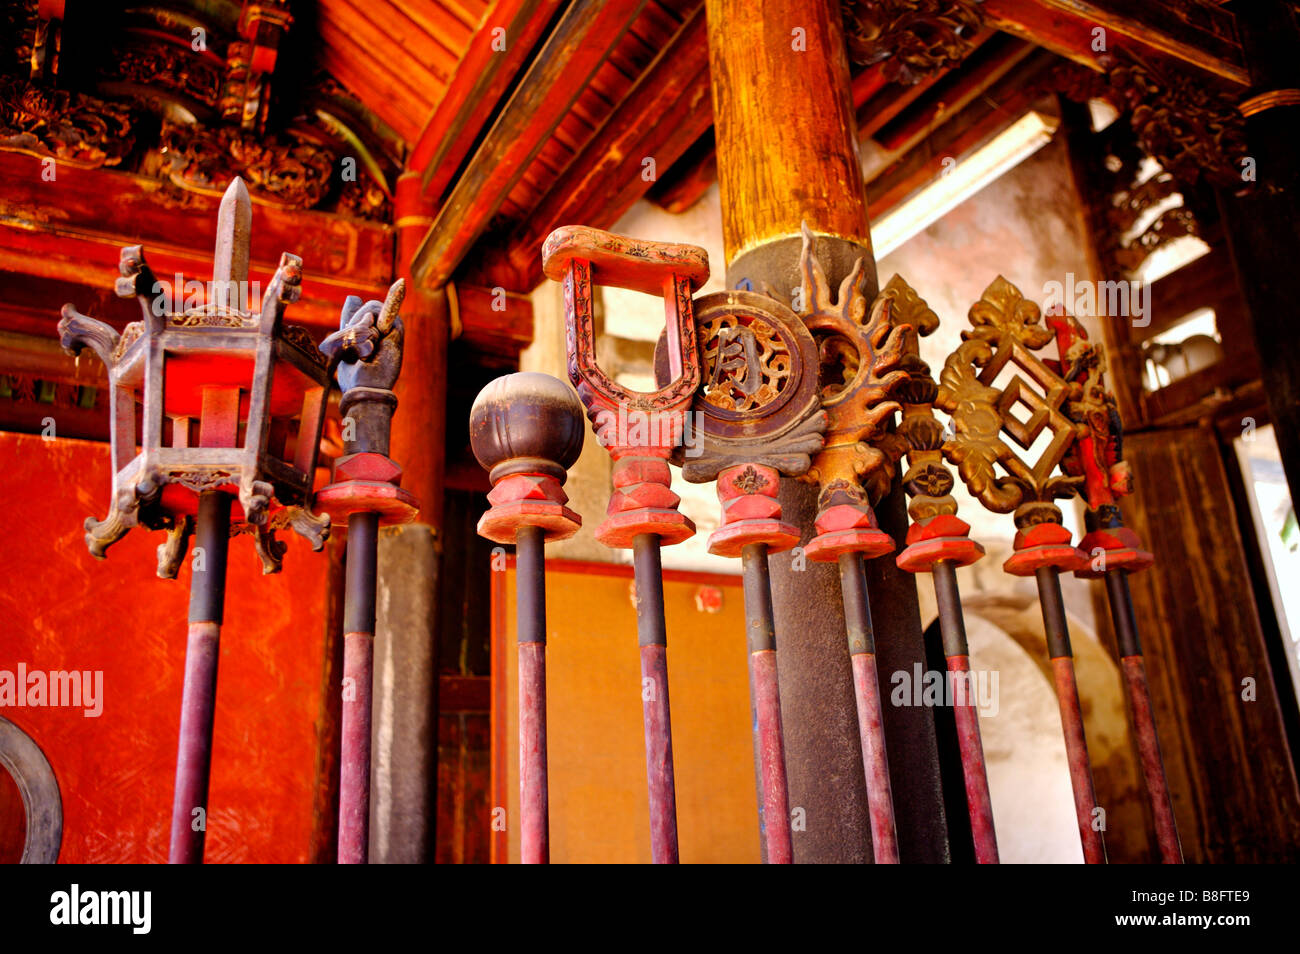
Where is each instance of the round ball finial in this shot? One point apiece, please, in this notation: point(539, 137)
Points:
point(526, 422)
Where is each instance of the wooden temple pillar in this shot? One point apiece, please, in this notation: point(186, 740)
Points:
point(787, 154)
point(405, 766)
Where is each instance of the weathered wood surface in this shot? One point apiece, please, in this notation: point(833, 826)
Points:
point(580, 44)
point(667, 110)
point(396, 56)
point(497, 52)
point(1229, 765)
point(1176, 32)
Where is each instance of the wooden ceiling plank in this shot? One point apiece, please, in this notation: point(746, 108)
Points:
point(468, 12)
point(438, 19)
point(476, 87)
point(376, 45)
point(659, 21)
point(1066, 27)
point(996, 107)
point(868, 83)
point(664, 113)
point(951, 96)
point(426, 22)
point(691, 177)
point(591, 108)
point(389, 91)
point(396, 108)
point(617, 191)
point(568, 60)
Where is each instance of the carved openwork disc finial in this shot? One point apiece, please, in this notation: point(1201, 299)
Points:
point(758, 403)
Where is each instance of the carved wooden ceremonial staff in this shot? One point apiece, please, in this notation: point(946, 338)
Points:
point(367, 352)
point(938, 542)
point(526, 430)
point(1006, 329)
point(236, 461)
point(1115, 551)
point(759, 416)
point(640, 431)
point(854, 476)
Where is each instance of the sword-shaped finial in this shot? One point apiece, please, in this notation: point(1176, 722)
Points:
point(230, 258)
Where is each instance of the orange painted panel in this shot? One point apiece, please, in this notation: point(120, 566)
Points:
point(599, 809)
point(60, 609)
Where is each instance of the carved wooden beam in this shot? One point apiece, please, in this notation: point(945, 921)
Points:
point(666, 110)
point(997, 107)
point(885, 105)
point(575, 50)
point(1191, 128)
point(496, 54)
point(99, 210)
point(912, 39)
point(1186, 33)
point(957, 91)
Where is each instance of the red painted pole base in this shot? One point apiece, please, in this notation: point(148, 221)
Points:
point(659, 755)
point(769, 741)
point(354, 769)
point(1076, 750)
point(871, 729)
point(194, 752)
point(974, 772)
point(534, 804)
point(1153, 767)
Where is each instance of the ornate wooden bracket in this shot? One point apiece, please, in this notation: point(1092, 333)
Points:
point(914, 38)
point(860, 354)
point(1190, 129)
point(640, 431)
point(1097, 454)
point(1007, 331)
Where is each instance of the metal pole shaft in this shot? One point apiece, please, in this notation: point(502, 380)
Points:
point(1067, 697)
point(1144, 723)
point(530, 570)
point(769, 744)
point(199, 696)
point(952, 626)
point(871, 720)
point(653, 640)
point(358, 667)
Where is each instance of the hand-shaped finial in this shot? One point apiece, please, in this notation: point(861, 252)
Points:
point(368, 344)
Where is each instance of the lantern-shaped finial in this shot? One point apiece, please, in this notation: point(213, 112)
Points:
point(228, 399)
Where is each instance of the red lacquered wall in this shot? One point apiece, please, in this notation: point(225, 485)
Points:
point(60, 609)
